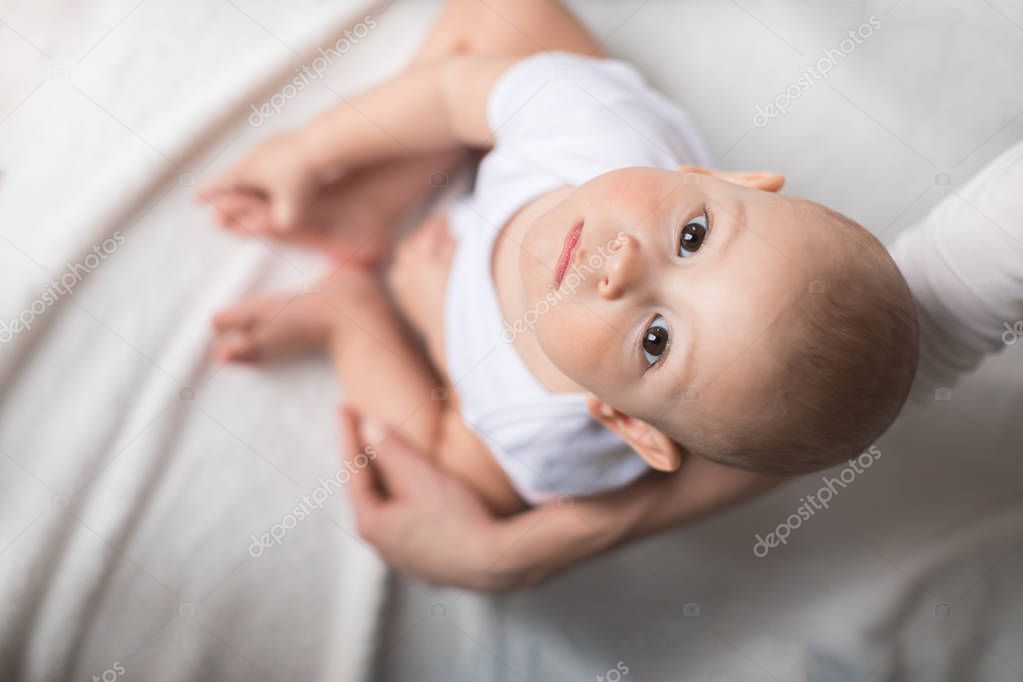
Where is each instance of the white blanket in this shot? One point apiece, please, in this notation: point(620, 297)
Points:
point(135, 473)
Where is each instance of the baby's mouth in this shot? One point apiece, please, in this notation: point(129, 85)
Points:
point(567, 249)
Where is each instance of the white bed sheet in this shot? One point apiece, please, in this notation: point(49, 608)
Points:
point(133, 469)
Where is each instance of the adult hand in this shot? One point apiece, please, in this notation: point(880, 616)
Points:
point(423, 522)
point(427, 524)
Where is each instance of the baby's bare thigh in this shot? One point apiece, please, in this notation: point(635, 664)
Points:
point(507, 28)
point(418, 280)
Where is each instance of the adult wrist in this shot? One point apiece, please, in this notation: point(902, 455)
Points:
point(529, 547)
point(499, 557)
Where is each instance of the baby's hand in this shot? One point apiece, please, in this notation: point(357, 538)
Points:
point(275, 177)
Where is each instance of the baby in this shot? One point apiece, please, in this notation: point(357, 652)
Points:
point(600, 305)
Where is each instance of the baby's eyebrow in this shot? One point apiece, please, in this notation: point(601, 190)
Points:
point(730, 220)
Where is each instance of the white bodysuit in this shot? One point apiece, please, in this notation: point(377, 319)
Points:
point(559, 120)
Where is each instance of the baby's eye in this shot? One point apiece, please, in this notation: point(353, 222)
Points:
point(655, 340)
point(692, 236)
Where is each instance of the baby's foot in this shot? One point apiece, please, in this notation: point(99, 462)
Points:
point(268, 327)
point(338, 225)
point(352, 219)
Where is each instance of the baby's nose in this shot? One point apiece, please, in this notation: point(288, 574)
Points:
point(622, 268)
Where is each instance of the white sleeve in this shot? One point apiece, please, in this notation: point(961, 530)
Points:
point(964, 265)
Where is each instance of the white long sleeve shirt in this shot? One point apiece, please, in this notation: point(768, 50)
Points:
point(964, 265)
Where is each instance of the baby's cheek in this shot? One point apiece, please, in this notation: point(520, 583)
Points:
point(630, 195)
point(580, 344)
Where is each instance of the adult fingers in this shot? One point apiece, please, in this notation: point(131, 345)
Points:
point(401, 467)
point(362, 488)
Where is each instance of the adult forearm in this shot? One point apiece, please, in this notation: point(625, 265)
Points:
point(540, 542)
point(970, 302)
point(700, 487)
point(525, 549)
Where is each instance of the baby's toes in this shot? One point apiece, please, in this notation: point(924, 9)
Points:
point(242, 213)
point(269, 327)
point(240, 317)
point(236, 346)
point(252, 222)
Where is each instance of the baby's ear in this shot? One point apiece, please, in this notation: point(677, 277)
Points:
point(762, 180)
point(659, 451)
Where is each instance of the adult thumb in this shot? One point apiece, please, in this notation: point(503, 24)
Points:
point(395, 460)
point(362, 487)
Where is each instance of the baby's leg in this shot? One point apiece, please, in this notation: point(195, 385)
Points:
point(271, 327)
point(386, 375)
point(383, 371)
point(355, 219)
point(506, 28)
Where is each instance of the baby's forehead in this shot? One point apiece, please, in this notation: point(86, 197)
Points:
point(804, 225)
point(819, 214)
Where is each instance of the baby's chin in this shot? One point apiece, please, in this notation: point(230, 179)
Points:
point(536, 269)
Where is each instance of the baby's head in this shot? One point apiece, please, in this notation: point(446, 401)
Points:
point(705, 313)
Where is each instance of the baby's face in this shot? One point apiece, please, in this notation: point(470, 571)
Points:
point(671, 289)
